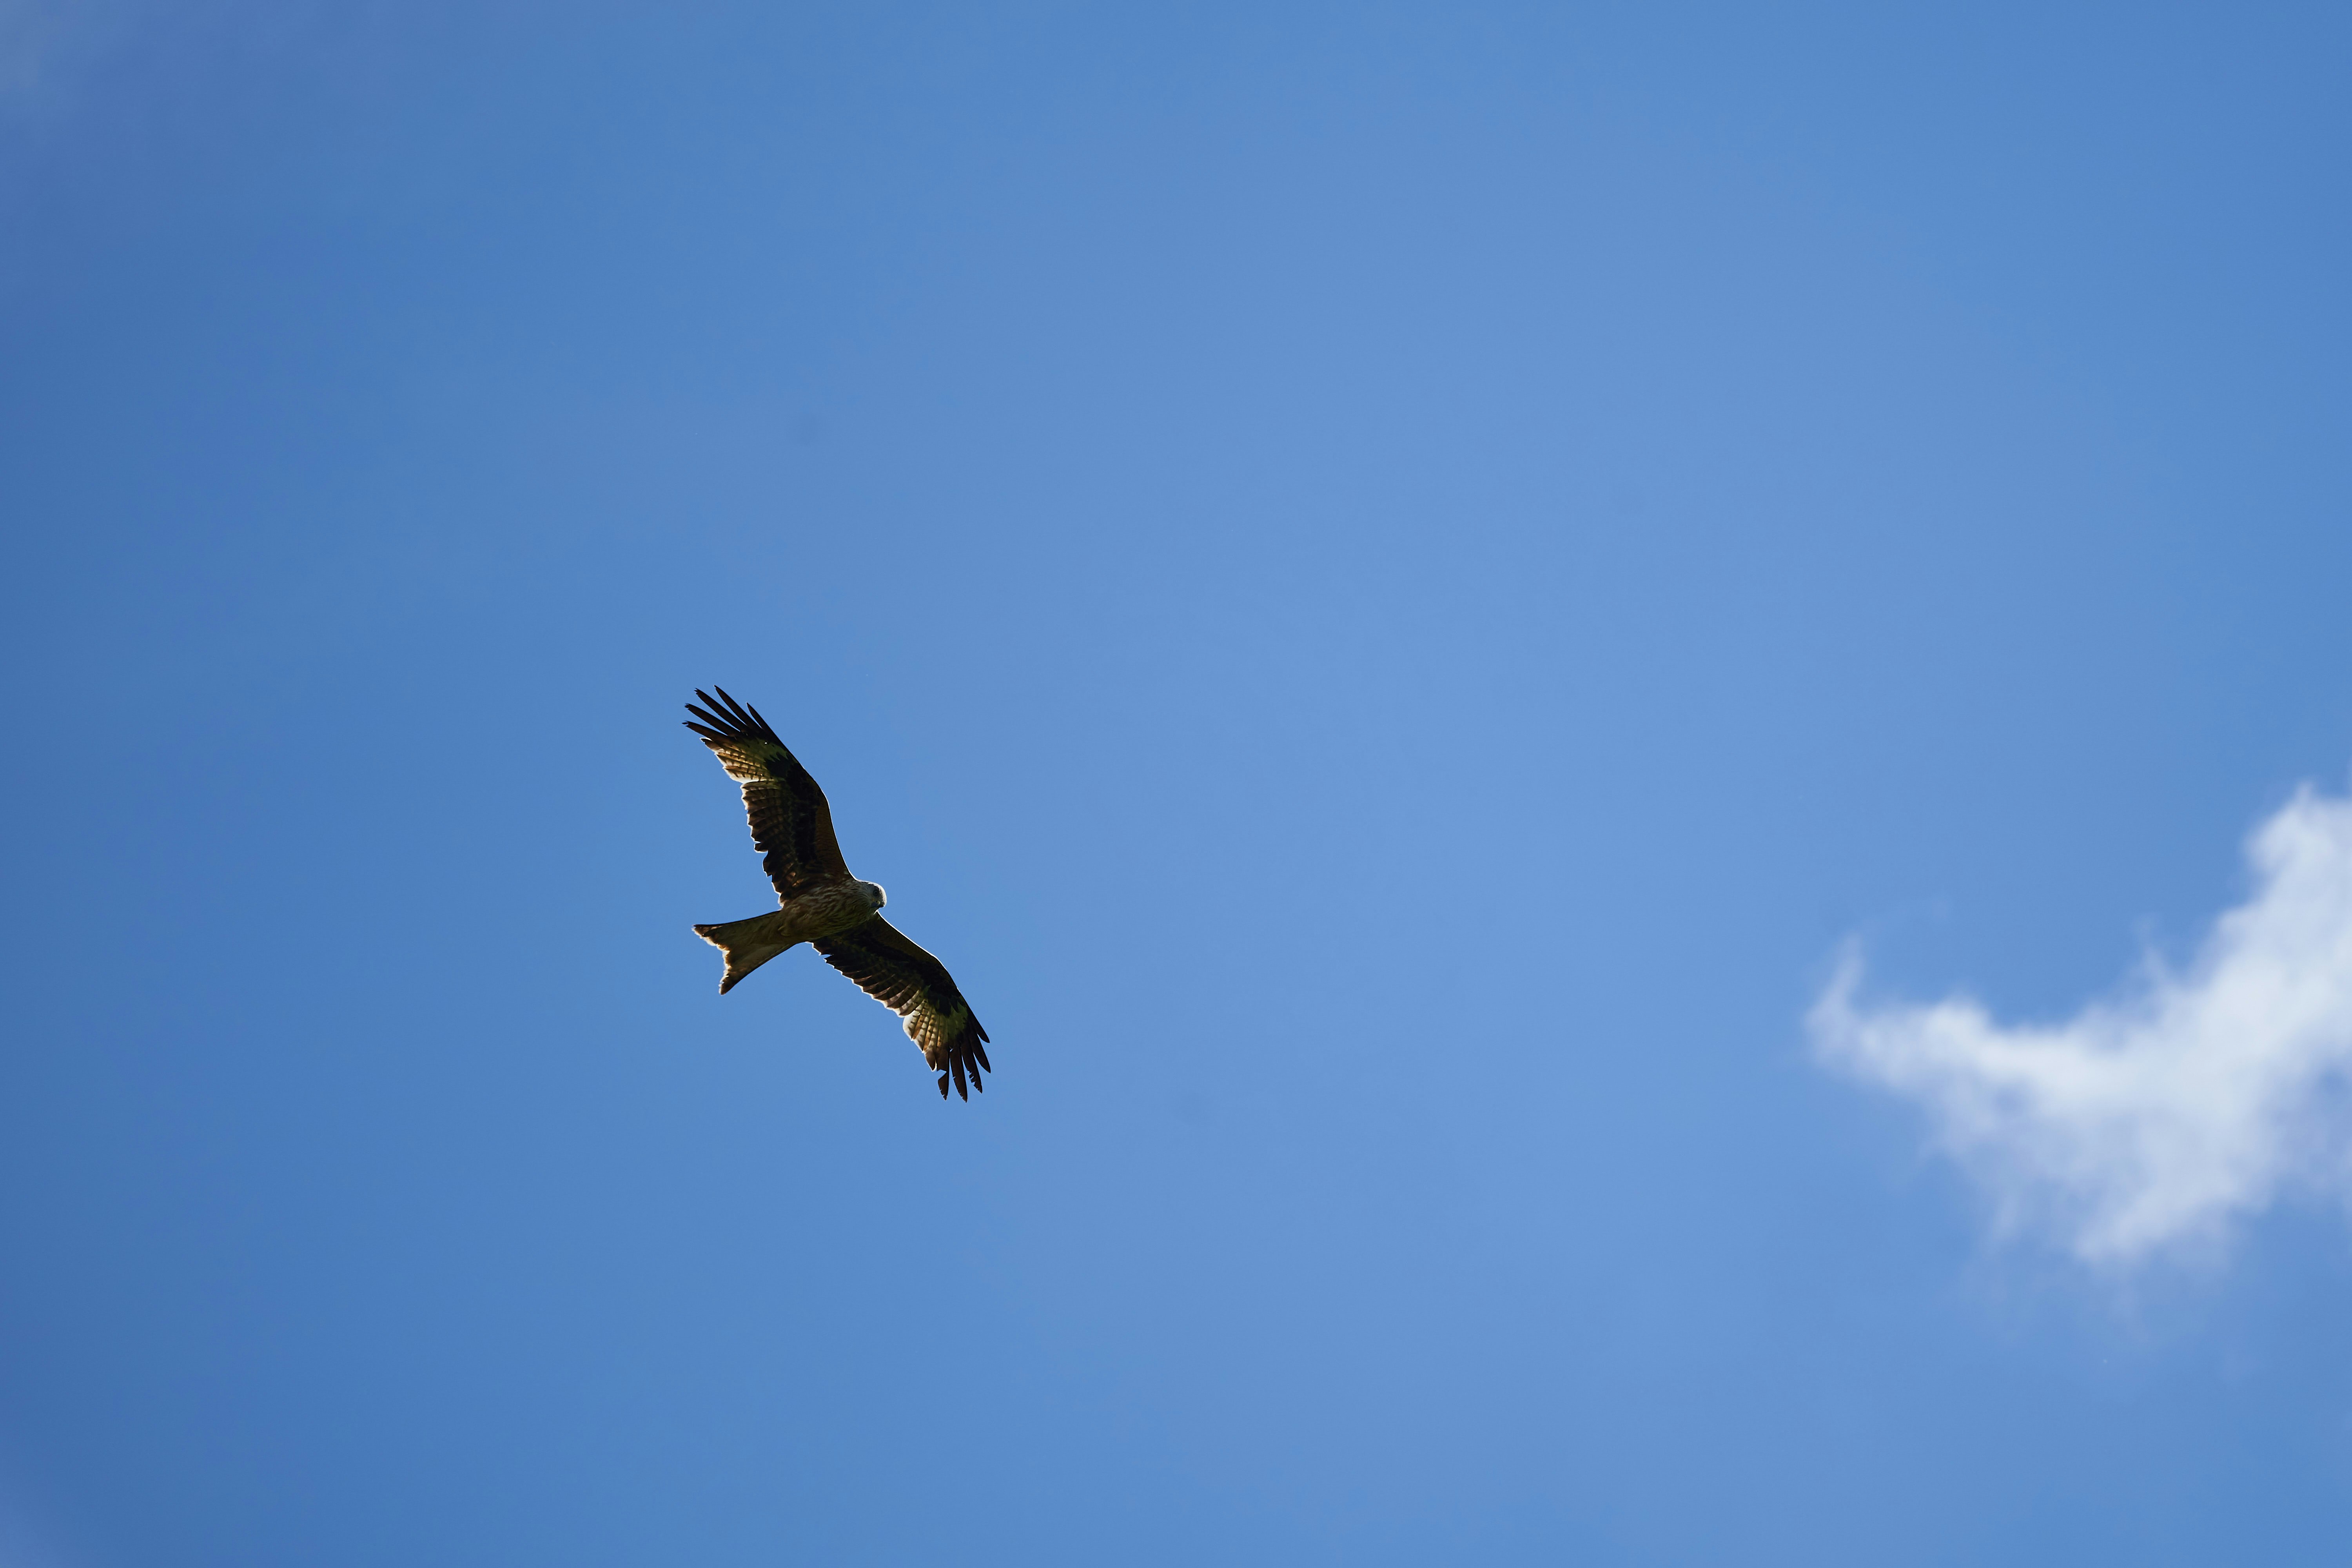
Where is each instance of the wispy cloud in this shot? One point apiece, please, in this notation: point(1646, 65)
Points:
point(2151, 1120)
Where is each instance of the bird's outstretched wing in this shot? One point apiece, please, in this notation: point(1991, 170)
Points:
point(790, 824)
point(918, 987)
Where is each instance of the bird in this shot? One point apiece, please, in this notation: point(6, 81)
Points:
point(820, 903)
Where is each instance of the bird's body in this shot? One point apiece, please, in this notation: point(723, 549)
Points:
point(822, 912)
point(819, 902)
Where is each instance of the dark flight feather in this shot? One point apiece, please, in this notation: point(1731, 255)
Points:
point(892, 970)
point(792, 825)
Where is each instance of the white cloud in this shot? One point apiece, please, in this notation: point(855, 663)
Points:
point(2148, 1122)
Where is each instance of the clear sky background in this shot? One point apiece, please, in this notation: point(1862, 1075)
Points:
point(1391, 586)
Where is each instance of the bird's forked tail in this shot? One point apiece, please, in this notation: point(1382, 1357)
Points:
point(747, 944)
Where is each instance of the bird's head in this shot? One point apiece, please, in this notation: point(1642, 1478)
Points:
point(874, 893)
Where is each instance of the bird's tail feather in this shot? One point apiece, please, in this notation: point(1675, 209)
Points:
point(747, 944)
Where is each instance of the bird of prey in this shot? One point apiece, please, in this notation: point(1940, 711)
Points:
point(820, 903)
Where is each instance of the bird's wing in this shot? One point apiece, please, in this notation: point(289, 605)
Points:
point(918, 987)
point(790, 824)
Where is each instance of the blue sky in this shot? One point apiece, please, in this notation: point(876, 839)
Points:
point(1633, 719)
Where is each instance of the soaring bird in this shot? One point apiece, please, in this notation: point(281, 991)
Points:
point(820, 903)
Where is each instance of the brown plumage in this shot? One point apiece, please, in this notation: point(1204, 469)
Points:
point(819, 902)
